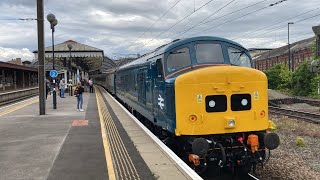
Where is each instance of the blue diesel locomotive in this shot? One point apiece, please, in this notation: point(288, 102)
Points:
point(201, 96)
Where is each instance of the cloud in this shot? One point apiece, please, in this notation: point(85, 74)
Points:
point(7, 54)
point(123, 27)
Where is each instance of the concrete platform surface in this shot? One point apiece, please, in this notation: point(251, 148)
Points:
point(67, 144)
point(162, 166)
point(30, 143)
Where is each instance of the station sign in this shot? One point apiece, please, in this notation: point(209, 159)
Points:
point(53, 73)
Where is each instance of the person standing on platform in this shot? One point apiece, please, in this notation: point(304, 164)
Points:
point(70, 87)
point(91, 85)
point(47, 88)
point(83, 84)
point(79, 94)
point(62, 87)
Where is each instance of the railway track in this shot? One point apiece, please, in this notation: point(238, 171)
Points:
point(312, 102)
point(17, 95)
point(306, 116)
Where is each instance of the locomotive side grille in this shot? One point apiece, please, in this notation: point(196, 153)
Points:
point(240, 102)
point(170, 98)
point(216, 103)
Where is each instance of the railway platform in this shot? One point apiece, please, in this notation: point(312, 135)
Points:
point(103, 142)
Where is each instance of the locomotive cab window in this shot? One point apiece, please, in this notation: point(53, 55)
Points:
point(209, 53)
point(239, 57)
point(178, 59)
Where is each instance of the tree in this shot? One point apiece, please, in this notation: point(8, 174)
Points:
point(279, 77)
point(314, 86)
point(316, 79)
point(302, 79)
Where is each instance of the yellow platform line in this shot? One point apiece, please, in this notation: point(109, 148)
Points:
point(116, 154)
point(112, 147)
point(120, 145)
point(124, 152)
point(120, 150)
point(15, 108)
point(110, 168)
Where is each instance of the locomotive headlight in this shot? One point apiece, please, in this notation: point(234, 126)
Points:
point(244, 102)
point(231, 123)
point(212, 103)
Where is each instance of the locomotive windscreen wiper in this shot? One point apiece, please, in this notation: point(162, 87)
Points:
point(237, 58)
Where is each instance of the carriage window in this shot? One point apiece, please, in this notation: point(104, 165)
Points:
point(178, 59)
point(238, 57)
point(209, 53)
point(159, 69)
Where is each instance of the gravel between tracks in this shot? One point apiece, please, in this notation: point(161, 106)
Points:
point(290, 161)
point(273, 94)
point(302, 107)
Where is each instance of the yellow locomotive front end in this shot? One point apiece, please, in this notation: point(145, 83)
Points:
point(222, 114)
point(221, 104)
point(221, 99)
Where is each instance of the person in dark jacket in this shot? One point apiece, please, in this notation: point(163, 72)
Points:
point(79, 94)
point(47, 88)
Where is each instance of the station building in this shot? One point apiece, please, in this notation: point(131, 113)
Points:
point(73, 60)
point(14, 76)
point(257, 51)
point(299, 52)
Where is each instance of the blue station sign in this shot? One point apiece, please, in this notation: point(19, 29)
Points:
point(53, 73)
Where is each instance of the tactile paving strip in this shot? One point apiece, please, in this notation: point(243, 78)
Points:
point(124, 167)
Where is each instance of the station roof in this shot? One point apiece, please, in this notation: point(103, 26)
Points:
point(16, 66)
point(296, 46)
point(92, 57)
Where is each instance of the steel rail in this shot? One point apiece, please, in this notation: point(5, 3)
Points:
point(306, 116)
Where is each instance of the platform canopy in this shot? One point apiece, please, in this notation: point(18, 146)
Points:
point(84, 56)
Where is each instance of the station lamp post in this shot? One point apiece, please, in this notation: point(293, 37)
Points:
point(69, 66)
point(316, 30)
point(314, 64)
point(53, 22)
point(289, 61)
point(315, 69)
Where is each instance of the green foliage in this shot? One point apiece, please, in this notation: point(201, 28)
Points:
point(279, 77)
point(301, 80)
point(315, 80)
point(314, 86)
point(300, 141)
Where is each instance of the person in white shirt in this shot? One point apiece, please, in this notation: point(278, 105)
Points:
point(62, 86)
point(91, 85)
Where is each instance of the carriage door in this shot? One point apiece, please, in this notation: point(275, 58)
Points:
point(141, 86)
point(158, 87)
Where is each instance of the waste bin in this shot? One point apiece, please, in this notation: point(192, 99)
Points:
point(73, 89)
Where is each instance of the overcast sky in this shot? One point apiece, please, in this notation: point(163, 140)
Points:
point(124, 27)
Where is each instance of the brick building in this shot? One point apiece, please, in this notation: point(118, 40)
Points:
point(299, 51)
point(257, 51)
